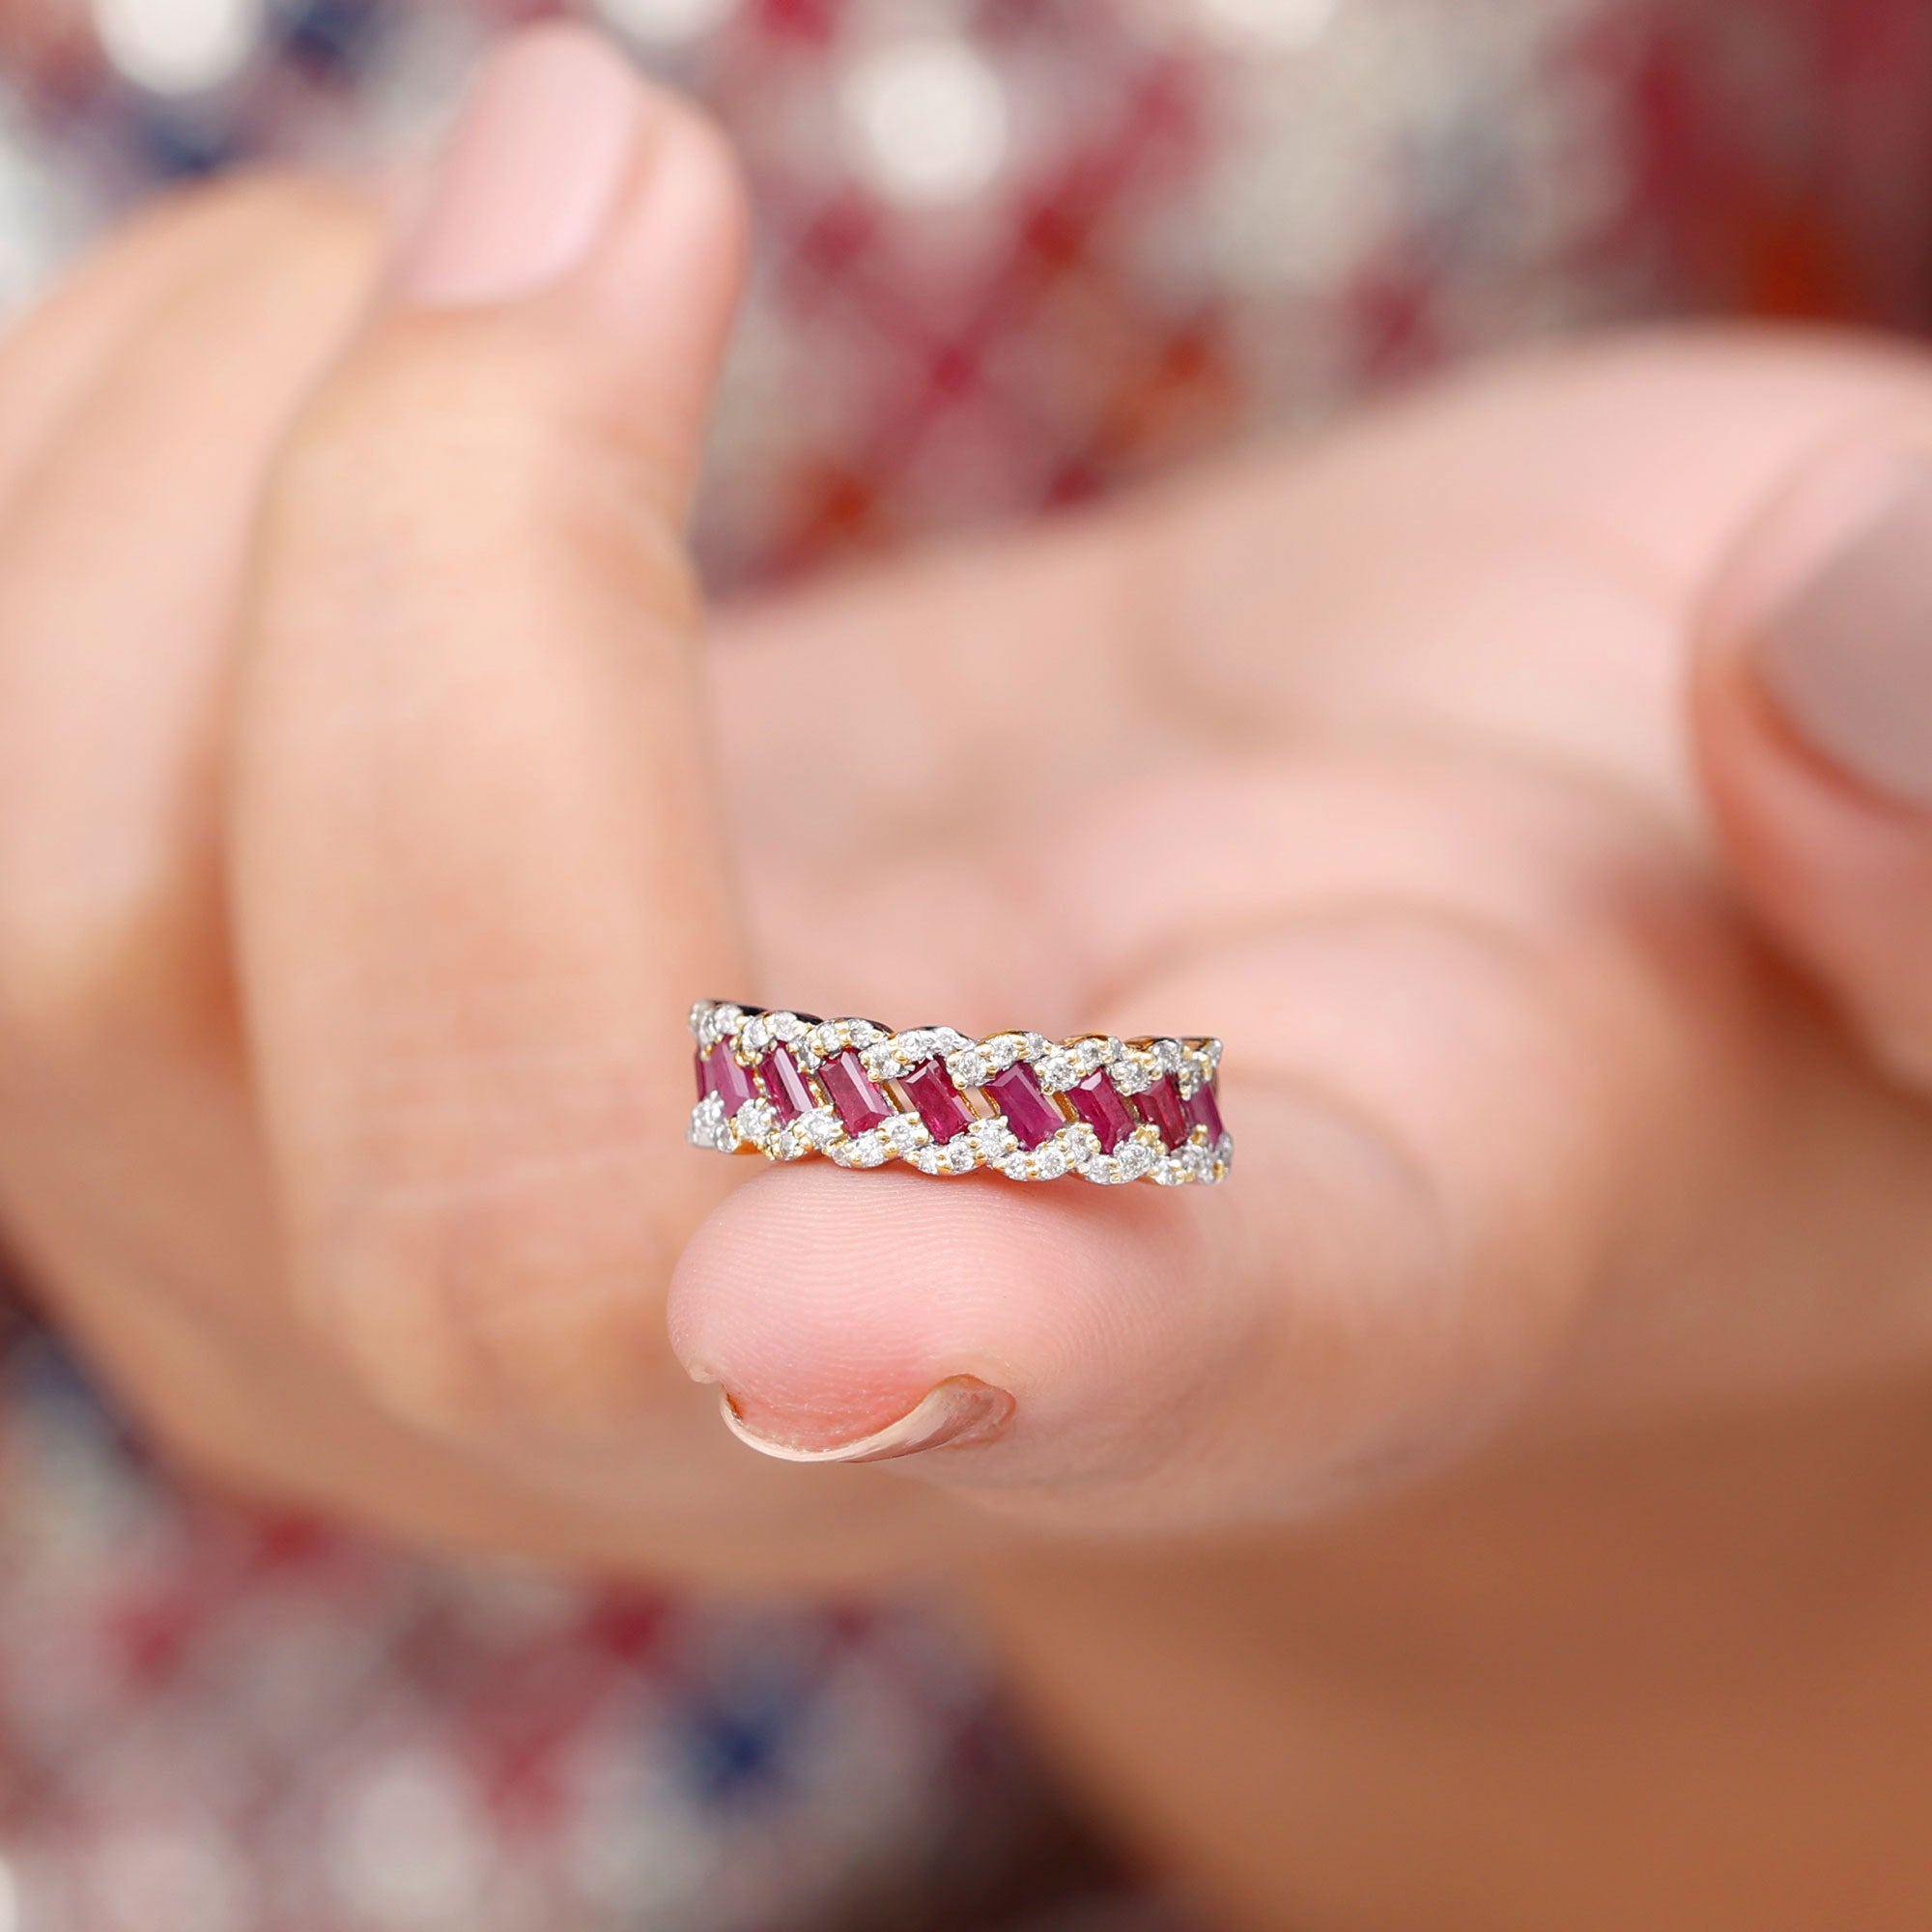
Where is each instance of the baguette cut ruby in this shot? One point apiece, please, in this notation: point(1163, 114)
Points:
point(1161, 1105)
point(1033, 1119)
point(936, 1100)
point(1098, 1102)
point(785, 1086)
point(730, 1081)
point(701, 1063)
point(1205, 1111)
point(861, 1105)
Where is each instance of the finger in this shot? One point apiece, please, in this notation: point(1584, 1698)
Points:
point(52, 358)
point(473, 866)
point(118, 571)
point(1509, 1081)
point(1814, 716)
point(1438, 1100)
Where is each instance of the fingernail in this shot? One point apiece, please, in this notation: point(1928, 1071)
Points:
point(1841, 639)
point(959, 1411)
point(540, 159)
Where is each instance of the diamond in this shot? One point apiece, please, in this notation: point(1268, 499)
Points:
point(968, 1067)
point(1096, 1051)
point(1056, 1071)
point(1002, 1050)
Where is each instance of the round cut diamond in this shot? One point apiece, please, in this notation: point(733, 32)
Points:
point(1056, 1070)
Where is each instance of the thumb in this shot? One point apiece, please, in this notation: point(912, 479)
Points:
point(1814, 721)
point(470, 866)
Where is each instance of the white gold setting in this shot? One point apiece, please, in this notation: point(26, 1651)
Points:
point(1165, 1122)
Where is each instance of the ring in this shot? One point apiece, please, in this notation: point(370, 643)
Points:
point(786, 1085)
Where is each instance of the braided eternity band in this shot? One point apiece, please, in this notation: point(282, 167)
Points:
point(786, 1085)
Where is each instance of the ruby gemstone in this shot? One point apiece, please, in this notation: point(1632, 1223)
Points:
point(1098, 1102)
point(785, 1086)
point(861, 1105)
point(1205, 1111)
point(701, 1063)
point(730, 1081)
point(938, 1102)
point(1161, 1104)
point(1033, 1119)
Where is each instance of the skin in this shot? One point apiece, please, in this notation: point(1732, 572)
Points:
point(1503, 1505)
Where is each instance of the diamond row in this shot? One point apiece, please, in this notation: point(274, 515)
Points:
point(786, 1085)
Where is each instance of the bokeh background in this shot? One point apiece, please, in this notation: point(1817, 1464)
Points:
point(1012, 256)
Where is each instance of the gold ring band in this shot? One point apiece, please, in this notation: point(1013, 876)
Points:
point(791, 1084)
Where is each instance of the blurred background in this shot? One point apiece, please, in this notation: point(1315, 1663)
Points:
point(1012, 256)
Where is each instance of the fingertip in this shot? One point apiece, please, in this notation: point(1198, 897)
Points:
point(831, 1306)
point(1813, 720)
point(606, 214)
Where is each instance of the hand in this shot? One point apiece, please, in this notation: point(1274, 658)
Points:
point(369, 817)
point(196, 414)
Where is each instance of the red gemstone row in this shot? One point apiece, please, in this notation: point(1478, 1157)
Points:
point(1030, 1111)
